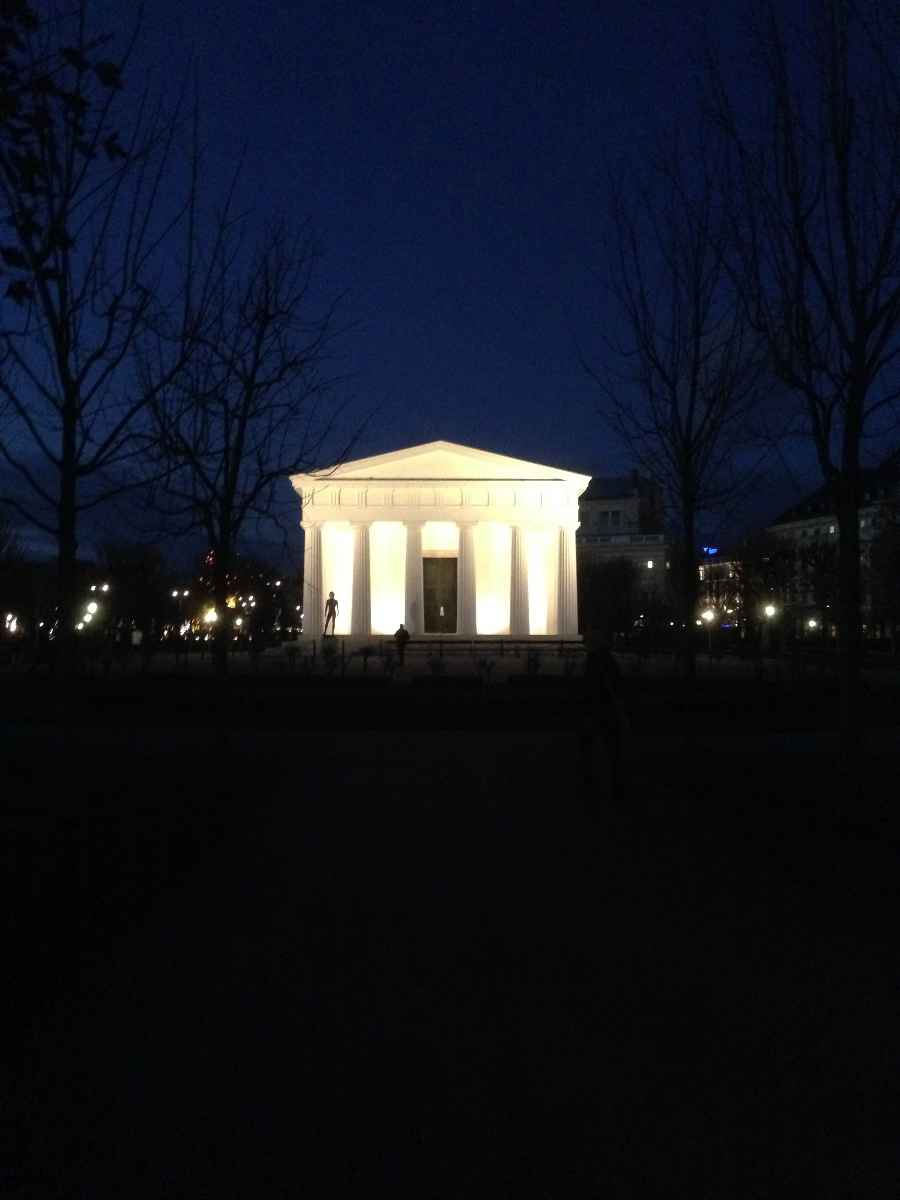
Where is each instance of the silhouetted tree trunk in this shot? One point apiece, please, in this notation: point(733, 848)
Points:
point(814, 194)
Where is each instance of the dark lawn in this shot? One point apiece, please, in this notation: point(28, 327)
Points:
point(284, 964)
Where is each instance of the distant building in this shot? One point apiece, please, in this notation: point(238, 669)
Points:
point(811, 530)
point(621, 517)
point(720, 585)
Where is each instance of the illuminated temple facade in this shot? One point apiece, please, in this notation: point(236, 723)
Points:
point(448, 539)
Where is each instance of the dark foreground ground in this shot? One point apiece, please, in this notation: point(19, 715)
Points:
point(292, 941)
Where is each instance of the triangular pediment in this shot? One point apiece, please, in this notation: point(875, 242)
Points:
point(443, 461)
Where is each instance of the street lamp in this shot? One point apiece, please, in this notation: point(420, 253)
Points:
point(769, 612)
point(709, 616)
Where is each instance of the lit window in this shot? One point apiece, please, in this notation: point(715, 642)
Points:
point(650, 564)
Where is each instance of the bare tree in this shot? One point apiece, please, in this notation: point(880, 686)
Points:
point(814, 192)
point(256, 404)
point(87, 217)
point(692, 367)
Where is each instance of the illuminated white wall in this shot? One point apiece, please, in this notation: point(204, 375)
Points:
point(387, 556)
point(445, 501)
point(440, 539)
point(337, 572)
point(538, 547)
point(493, 549)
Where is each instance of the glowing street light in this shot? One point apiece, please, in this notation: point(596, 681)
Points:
point(105, 587)
point(769, 610)
point(87, 618)
point(210, 615)
point(92, 607)
point(175, 595)
point(238, 621)
point(708, 616)
point(812, 623)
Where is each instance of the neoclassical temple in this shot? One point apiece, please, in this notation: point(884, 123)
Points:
point(448, 539)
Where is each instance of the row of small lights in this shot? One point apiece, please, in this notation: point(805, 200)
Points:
point(770, 611)
point(91, 607)
point(211, 615)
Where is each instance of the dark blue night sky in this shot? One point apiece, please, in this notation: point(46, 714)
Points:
point(452, 158)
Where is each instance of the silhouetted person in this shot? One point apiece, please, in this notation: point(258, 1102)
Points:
point(401, 637)
point(602, 715)
point(331, 612)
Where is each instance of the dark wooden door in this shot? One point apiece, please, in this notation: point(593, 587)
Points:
point(439, 586)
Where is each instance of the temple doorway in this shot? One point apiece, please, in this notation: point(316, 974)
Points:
point(439, 588)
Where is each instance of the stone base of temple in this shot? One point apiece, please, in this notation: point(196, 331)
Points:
point(488, 658)
point(352, 641)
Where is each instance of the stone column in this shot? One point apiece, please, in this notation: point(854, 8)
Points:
point(313, 600)
point(518, 583)
point(466, 580)
point(567, 602)
point(552, 584)
point(415, 596)
point(361, 612)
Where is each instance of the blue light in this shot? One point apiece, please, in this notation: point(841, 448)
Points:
point(710, 550)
